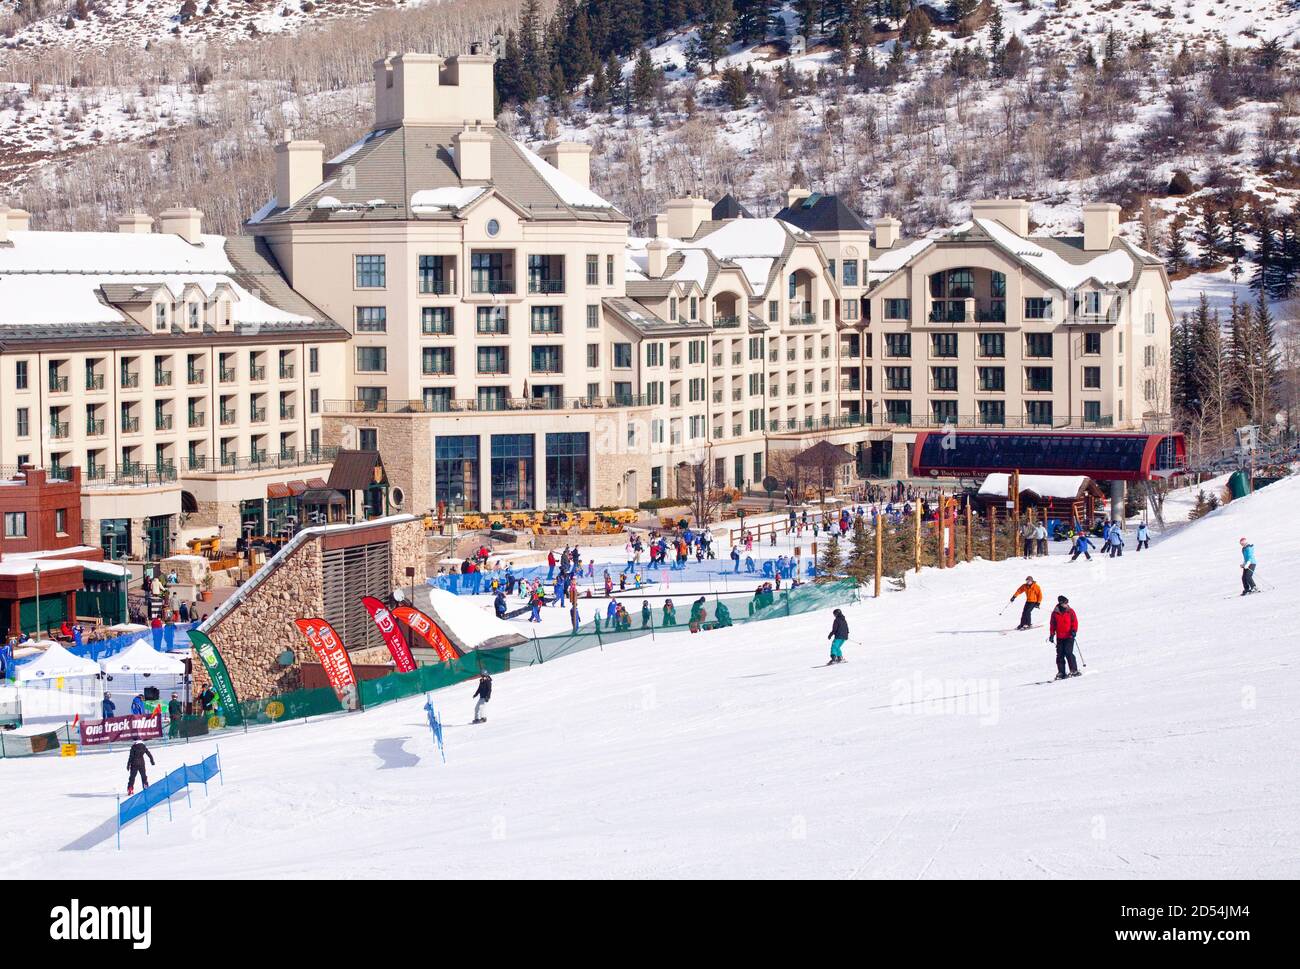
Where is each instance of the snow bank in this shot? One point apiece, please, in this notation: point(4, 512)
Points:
point(469, 626)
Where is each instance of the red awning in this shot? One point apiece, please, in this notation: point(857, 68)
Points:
point(297, 487)
point(278, 490)
point(315, 483)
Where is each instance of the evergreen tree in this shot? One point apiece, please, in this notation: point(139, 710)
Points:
point(614, 77)
point(734, 88)
point(916, 29)
point(830, 561)
point(958, 10)
point(532, 52)
point(715, 22)
point(1265, 252)
point(996, 37)
point(1176, 251)
point(575, 56)
point(754, 19)
point(652, 19)
point(896, 66)
point(508, 70)
point(806, 12)
point(861, 563)
point(644, 78)
point(1209, 236)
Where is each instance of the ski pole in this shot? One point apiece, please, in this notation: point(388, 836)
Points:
point(1081, 659)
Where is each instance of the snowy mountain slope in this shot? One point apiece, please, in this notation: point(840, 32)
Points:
point(932, 753)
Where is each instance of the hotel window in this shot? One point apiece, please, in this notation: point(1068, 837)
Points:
point(1038, 308)
point(593, 355)
point(193, 309)
point(313, 359)
point(367, 439)
point(547, 320)
point(1092, 412)
point(622, 355)
point(993, 345)
point(160, 316)
point(492, 320)
point(1087, 304)
point(372, 319)
point(898, 378)
point(1149, 356)
point(593, 270)
point(24, 423)
point(437, 321)
point(672, 308)
point(830, 268)
point(20, 375)
point(695, 351)
point(1038, 345)
point(372, 360)
point(654, 354)
point(898, 309)
point(850, 272)
point(992, 411)
point(314, 401)
point(438, 361)
point(15, 524)
point(433, 279)
point(773, 311)
point(654, 392)
point(697, 426)
point(1149, 324)
point(593, 317)
point(1092, 378)
point(992, 379)
point(547, 360)
point(1038, 378)
point(756, 348)
point(609, 270)
point(943, 412)
point(898, 344)
point(371, 272)
point(493, 360)
point(944, 378)
point(1149, 390)
point(437, 399)
point(898, 411)
point(1038, 412)
point(696, 390)
point(850, 308)
point(695, 307)
point(756, 384)
point(1092, 343)
point(943, 344)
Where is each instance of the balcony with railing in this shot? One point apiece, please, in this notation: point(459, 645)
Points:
point(130, 425)
point(487, 404)
point(196, 375)
point(259, 460)
point(162, 422)
point(130, 380)
point(545, 274)
point(94, 426)
point(94, 381)
point(58, 385)
point(286, 371)
point(198, 419)
point(132, 474)
point(257, 415)
point(226, 375)
point(227, 417)
point(726, 322)
point(287, 411)
point(717, 397)
point(60, 429)
point(256, 372)
point(162, 378)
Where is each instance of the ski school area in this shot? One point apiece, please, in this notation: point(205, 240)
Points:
point(941, 748)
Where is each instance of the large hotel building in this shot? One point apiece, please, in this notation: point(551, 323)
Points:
point(477, 314)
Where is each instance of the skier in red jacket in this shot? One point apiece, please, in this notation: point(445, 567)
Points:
point(1065, 627)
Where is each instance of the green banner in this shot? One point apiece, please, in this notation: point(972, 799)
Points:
point(217, 672)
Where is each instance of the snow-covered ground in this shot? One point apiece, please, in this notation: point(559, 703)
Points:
point(936, 751)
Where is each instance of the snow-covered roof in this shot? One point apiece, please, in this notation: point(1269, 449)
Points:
point(450, 198)
point(570, 192)
point(55, 278)
point(741, 238)
point(1064, 486)
point(1113, 267)
point(467, 625)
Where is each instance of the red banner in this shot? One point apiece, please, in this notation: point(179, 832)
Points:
point(143, 726)
point(333, 657)
point(428, 630)
point(392, 636)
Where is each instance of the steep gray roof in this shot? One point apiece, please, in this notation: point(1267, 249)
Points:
point(648, 323)
point(822, 213)
point(375, 181)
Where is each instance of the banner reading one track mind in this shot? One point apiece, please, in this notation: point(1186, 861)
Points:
point(397, 647)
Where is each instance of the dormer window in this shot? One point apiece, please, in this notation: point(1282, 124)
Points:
point(193, 315)
point(160, 316)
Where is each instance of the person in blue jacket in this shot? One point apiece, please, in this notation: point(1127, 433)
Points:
point(137, 705)
point(499, 604)
point(109, 707)
point(1247, 568)
point(1143, 537)
point(1081, 546)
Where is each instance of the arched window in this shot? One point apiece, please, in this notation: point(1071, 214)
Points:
point(961, 284)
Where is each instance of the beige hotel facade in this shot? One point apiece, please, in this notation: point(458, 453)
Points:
point(496, 330)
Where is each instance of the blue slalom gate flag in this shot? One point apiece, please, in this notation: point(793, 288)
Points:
point(435, 725)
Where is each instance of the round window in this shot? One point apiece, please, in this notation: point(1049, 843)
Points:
point(493, 227)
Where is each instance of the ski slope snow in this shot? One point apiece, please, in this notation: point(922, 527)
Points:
point(935, 752)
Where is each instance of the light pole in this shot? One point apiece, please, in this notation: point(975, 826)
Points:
point(36, 574)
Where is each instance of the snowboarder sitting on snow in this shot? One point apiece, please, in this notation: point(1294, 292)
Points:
point(483, 694)
point(1081, 546)
point(135, 765)
point(499, 605)
point(839, 634)
point(1033, 599)
point(1065, 627)
point(1247, 568)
